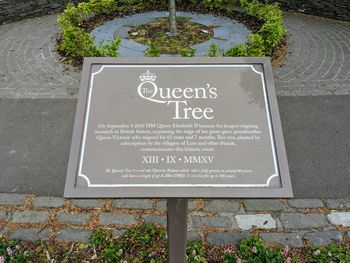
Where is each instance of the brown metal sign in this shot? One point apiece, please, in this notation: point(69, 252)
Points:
point(177, 128)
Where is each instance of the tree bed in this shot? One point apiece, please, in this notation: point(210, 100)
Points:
point(75, 42)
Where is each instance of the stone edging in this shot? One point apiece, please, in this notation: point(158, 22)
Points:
point(229, 32)
point(297, 222)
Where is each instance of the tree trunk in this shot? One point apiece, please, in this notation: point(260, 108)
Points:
point(172, 17)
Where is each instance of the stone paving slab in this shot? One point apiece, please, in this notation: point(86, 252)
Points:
point(73, 218)
point(31, 234)
point(318, 61)
point(290, 239)
point(70, 222)
point(303, 221)
point(340, 218)
point(45, 201)
point(323, 238)
point(247, 222)
point(74, 234)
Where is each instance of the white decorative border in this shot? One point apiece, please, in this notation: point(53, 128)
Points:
point(176, 185)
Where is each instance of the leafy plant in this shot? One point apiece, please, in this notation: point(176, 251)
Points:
point(11, 251)
point(100, 238)
point(75, 42)
point(329, 253)
point(255, 45)
point(254, 250)
point(214, 51)
point(269, 36)
point(188, 52)
point(272, 31)
point(237, 51)
point(152, 51)
point(196, 252)
point(213, 4)
point(143, 243)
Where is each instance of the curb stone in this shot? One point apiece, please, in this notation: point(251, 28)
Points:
point(263, 205)
point(12, 199)
point(48, 202)
point(246, 222)
point(3, 215)
point(132, 203)
point(88, 203)
point(208, 219)
point(117, 219)
point(73, 218)
point(29, 216)
point(74, 234)
point(340, 218)
point(212, 221)
point(31, 234)
point(306, 203)
point(291, 239)
point(303, 221)
point(326, 237)
point(226, 238)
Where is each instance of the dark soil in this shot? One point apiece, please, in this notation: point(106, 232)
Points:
point(156, 33)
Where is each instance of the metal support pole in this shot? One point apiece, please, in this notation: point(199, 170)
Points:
point(177, 230)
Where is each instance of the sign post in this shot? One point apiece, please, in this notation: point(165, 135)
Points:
point(177, 128)
point(177, 229)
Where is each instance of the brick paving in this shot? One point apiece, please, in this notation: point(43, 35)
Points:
point(63, 219)
point(318, 62)
point(29, 65)
point(319, 59)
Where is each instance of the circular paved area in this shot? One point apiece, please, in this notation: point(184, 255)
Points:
point(318, 62)
point(227, 33)
point(319, 59)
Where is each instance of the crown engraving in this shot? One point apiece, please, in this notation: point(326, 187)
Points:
point(148, 76)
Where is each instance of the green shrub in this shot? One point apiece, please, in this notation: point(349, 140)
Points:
point(11, 251)
point(152, 51)
point(255, 45)
point(237, 51)
point(100, 238)
point(330, 253)
point(188, 52)
point(219, 4)
point(214, 51)
point(254, 250)
point(196, 252)
point(272, 31)
point(213, 4)
point(269, 36)
point(98, 6)
point(75, 42)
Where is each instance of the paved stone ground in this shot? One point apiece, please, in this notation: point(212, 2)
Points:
point(29, 66)
point(318, 63)
point(297, 222)
point(319, 59)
